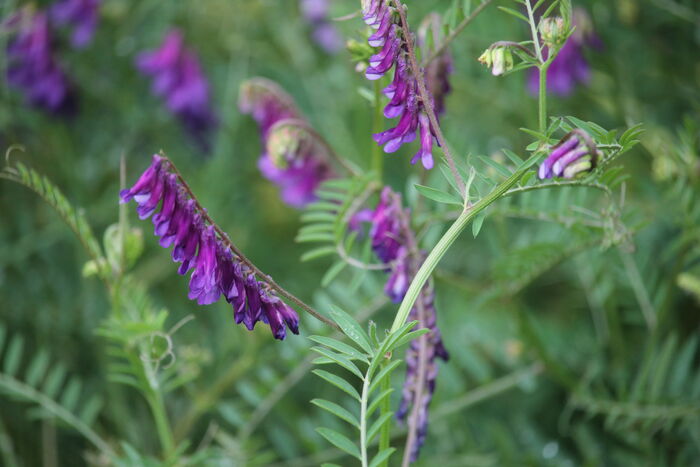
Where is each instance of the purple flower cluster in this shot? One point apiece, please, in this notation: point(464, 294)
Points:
point(32, 66)
point(424, 311)
point(299, 176)
point(574, 154)
point(216, 270)
point(81, 15)
point(324, 32)
point(570, 67)
point(390, 235)
point(404, 101)
point(178, 78)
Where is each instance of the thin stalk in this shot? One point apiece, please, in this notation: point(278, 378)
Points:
point(165, 435)
point(533, 31)
point(425, 97)
point(457, 31)
point(542, 101)
point(227, 242)
point(377, 159)
point(363, 420)
point(447, 240)
point(385, 432)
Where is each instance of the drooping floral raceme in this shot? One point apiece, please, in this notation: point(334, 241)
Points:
point(391, 241)
point(178, 79)
point(80, 15)
point(576, 153)
point(324, 32)
point(31, 65)
point(570, 67)
point(405, 102)
point(291, 157)
point(199, 246)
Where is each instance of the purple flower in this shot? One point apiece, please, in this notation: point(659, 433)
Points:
point(304, 166)
point(32, 67)
point(570, 67)
point(178, 79)
point(180, 222)
point(387, 232)
point(574, 154)
point(324, 32)
point(403, 90)
point(81, 15)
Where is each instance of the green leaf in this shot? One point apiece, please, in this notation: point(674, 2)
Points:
point(409, 337)
point(90, 410)
point(71, 395)
point(514, 158)
point(332, 273)
point(37, 368)
point(377, 425)
point(318, 253)
point(386, 370)
point(501, 169)
point(338, 382)
point(526, 178)
point(54, 380)
point(315, 237)
point(381, 457)
point(339, 441)
point(13, 355)
point(438, 195)
point(341, 347)
point(517, 14)
point(351, 328)
point(376, 402)
point(477, 223)
point(340, 360)
point(337, 410)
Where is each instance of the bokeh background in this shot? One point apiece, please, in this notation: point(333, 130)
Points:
point(547, 337)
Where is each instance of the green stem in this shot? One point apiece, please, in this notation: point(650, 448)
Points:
point(363, 420)
point(385, 433)
point(543, 97)
point(167, 443)
point(448, 239)
point(377, 159)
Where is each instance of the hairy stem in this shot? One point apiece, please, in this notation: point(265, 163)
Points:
point(448, 239)
point(226, 241)
point(542, 101)
point(456, 32)
point(377, 159)
point(425, 97)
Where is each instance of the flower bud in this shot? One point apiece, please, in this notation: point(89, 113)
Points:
point(359, 52)
point(553, 31)
point(502, 61)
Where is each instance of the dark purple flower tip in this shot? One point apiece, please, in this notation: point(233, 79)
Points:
point(141, 191)
point(399, 278)
point(425, 155)
point(387, 228)
point(82, 15)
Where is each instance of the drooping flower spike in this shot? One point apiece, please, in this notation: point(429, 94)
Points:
point(179, 80)
point(81, 15)
point(391, 237)
point(198, 244)
point(32, 67)
point(405, 102)
point(291, 157)
point(574, 154)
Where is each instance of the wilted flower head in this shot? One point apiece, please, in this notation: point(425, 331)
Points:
point(570, 67)
point(81, 15)
point(178, 79)
point(405, 101)
point(574, 154)
point(197, 244)
point(32, 67)
point(324, 32)
point(293, 156)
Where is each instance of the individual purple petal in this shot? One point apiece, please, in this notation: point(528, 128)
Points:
point(425, 155)
point(563, 147)
point(204, 282)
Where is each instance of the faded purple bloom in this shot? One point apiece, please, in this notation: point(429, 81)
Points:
point(403, 90)
point(178, 79)
point(387, 232)
point(324, 32)
point(437, 80)
point(570, 67)
point(81, 15)
point(179, 223)
point(574, 154)
point(304, 168)
point(32, 67)
point(418, 392)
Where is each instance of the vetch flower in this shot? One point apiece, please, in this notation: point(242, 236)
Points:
point(179, 80)
point(31, 65)
point(81, 15)
point(292, 157)
point(197, 244)
point(388, 227)
point(324, 32)
point(574, 154)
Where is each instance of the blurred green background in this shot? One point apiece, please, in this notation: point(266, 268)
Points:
point(540, 349)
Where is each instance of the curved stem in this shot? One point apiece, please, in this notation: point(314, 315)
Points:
point(377, 159)
point(533, 30)
point(425, 97)
point(460, 27)
point(447, 240)
point(227, 242)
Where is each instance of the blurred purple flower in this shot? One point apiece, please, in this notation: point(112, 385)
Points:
point(32, 67)
point(388, 226)
point(402, 92)
point(324, 32)
point(81, 15)
point(570, 67)
point(178, 78)
point(299, 175)
point(217, 271)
